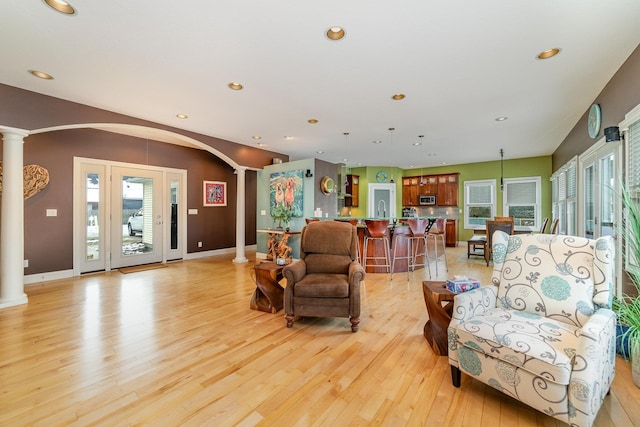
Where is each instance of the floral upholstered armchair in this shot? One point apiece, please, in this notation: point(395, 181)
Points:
point(543, 331)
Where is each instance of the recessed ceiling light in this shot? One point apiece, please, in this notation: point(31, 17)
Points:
point(444, 163)
point(182, 116)
point(261, 144)
point(359, 164)
point(235, 86)
point(60, 6)
point(320, 152)
point(41, 75)
point(377, 141)
point(287, 137)
point(312, 121)
point(335, 33)
point(501, 119)
point(398, 96)
point(416, 144)
point(256, 137)
point(345, 160)
point(549, 53)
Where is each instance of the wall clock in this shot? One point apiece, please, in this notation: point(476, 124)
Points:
point(381, 176)
point(594, 121)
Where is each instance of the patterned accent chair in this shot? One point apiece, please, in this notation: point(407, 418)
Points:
point(543, 332)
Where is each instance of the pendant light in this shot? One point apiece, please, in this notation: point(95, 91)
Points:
point(391, 181)
point(346, 144)
point(501, 169)
point(422, 181)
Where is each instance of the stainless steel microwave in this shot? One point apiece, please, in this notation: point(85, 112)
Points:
point(427, 200)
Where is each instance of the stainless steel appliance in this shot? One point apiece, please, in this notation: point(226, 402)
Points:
point(427, 200)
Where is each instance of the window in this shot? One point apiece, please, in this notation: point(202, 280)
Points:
point(522, 202)
point(564, 189)
point(479, 202)
point(633, 186)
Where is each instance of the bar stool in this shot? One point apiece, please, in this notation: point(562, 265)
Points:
point(438, 233)
point(377, 229)
point(353, 222)
point(400, 233)
point(418, 229)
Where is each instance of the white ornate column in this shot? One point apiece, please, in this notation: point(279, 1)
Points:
point(240, 216)
point(12, 219)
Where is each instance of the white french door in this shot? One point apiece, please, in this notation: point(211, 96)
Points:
point(127, 215)
point(136, 237)
point(600, 187)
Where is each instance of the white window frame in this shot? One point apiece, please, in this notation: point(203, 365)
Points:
point(537, 204)
point(479, 183)
point(565, 198)
point(630, 118)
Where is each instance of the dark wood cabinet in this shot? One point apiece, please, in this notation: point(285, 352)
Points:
point(428, 186)
point(353, 188)
point(410, 191)
point(447, 190)
point(451, 233)
point(444, 187)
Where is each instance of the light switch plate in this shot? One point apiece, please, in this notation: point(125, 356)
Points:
point(193, 211)
point(52, 212)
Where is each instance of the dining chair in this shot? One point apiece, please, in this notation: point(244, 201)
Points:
point(492, 227)
point(544, 225)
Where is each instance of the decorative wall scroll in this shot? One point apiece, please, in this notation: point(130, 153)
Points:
point(35, 178)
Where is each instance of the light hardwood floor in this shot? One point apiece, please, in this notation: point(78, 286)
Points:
point(180, 346)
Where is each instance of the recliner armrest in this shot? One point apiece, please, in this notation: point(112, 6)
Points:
point(477, 301)
point(295, 271)
point(356, 273)
point(593, 366)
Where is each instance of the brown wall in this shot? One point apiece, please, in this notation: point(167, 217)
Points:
point(618, 97)
point(48, 240)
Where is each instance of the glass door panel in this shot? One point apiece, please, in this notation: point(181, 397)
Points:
point(91, 243)
point(607, 195)
point(175, 209)
point(136, 217)
point(589, 203)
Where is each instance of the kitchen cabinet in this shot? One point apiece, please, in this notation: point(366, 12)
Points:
point(410, 191)
point(447, 190)
point(353, 188)
point(428, 186)
point(444, 187)
point(451, 233)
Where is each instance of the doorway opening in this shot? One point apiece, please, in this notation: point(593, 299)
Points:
point(127, 214)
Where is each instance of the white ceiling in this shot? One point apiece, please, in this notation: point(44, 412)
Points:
point(460, 63)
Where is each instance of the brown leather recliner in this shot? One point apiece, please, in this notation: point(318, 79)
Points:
point(325, 282)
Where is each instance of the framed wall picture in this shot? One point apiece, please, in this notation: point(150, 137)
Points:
point(214, 193)
point(286, 192)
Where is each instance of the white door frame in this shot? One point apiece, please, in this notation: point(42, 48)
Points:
point(79, 209)
point(592, 156)
point(371, 208)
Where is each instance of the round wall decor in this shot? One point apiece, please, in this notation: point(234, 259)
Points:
point(327, 186)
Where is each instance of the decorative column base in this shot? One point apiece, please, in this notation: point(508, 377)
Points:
point(11, 303)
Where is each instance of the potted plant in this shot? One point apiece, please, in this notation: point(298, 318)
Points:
point(627, 307)
point(282, 214)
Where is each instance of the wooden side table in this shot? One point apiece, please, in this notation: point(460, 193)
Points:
point(435, 330)
point(269, 295)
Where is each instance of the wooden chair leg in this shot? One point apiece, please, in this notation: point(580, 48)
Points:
point(355, 322)
point(455, 376)
point(289, 318)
